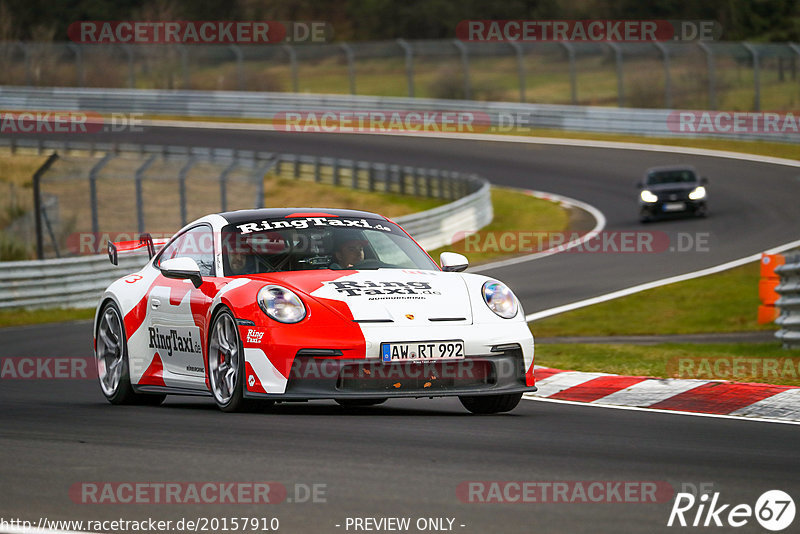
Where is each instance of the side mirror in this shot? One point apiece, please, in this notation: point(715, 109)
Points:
point(452, 262)
point(183, 269)
point(703, 180)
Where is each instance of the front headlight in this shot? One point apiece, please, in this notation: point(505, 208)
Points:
point(698, 193)
point(281, 304)
point(647, 196)
point(500, 299)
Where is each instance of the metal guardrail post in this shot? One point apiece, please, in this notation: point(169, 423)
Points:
point(37, 202)
point(712, 74)
point(573, 76)
point(371, 177)
point(93, 189)
point(409, 53)
point(351, 65)
point(317, 170)
point(223, 184)
point(260, 172)
point(620, 73)
point(520, 69)
point(292, 66)
point(336, 177)
point(789, 302)
point(354, 175)
point(462, 48)
point(182, 188)
point(139, 200)
point(667, 76)
point(756, 75)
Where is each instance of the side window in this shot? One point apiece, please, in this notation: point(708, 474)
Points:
point(198, 244)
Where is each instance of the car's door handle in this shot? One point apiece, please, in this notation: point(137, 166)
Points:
point(155, 303)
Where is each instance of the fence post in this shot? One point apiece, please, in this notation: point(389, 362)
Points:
point(520, 69)
point(573, 77)
point(37, 202)
point(237, 52)
point(667, 77)
point(79, 74)
point(465, 68)
point(131, 71)
point(796, 50)
point(336, 171)
point(620, 80)
point(260, 173)
point(354, 175)
point(138, 176)
point(712, 75)
point(223, 184)
point(351, 65)
point(93, 189)
point(756, 76)
point(317, 170)
point(409, 52)
point(184, 66)
point(182, 187)
point(292, 65)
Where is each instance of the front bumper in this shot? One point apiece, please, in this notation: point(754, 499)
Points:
point(328, 378)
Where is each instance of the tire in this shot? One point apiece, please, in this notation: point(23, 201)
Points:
point(354, 403)
point(226, 365)
point(488, 404)
point(111, 356)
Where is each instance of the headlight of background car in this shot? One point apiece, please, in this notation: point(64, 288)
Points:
point(500, 299)
point(281, 304)
point(698, 193)
point(647, 196)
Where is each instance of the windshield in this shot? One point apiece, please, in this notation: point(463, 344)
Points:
point(671, 177)
point(305, 243)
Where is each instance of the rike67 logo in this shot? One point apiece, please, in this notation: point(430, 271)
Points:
point(774, 510)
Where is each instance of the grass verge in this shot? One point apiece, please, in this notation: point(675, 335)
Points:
point(57, 315)
point(663, 360)
point(722, 302)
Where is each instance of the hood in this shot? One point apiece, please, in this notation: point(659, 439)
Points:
point(400, 296)
point(677, 186)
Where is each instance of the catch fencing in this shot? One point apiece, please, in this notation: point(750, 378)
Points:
point(83, 200)
point(686, 75)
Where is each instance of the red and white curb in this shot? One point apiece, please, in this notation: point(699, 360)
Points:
point(671, 395)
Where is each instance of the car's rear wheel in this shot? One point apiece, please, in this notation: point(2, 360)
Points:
point(226, 365)
point(354, 403)
point(487, 404)
point(112, 361)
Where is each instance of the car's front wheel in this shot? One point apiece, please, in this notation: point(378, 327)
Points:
point(112, 361)
point(488, 404)
point(226, 364)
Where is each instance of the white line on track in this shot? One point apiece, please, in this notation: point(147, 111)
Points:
point(657, 410)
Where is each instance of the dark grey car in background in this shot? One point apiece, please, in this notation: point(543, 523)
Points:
point(673, 190)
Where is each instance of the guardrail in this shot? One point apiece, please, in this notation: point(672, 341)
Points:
point(499, 116)
point(789, 302)
point(79, 282)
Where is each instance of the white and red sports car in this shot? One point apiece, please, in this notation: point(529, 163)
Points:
point(296, 304)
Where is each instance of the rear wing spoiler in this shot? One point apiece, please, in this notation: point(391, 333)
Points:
point(125, 247)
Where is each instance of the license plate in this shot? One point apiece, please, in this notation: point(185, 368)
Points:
point(674, 206)
point(420, 351)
